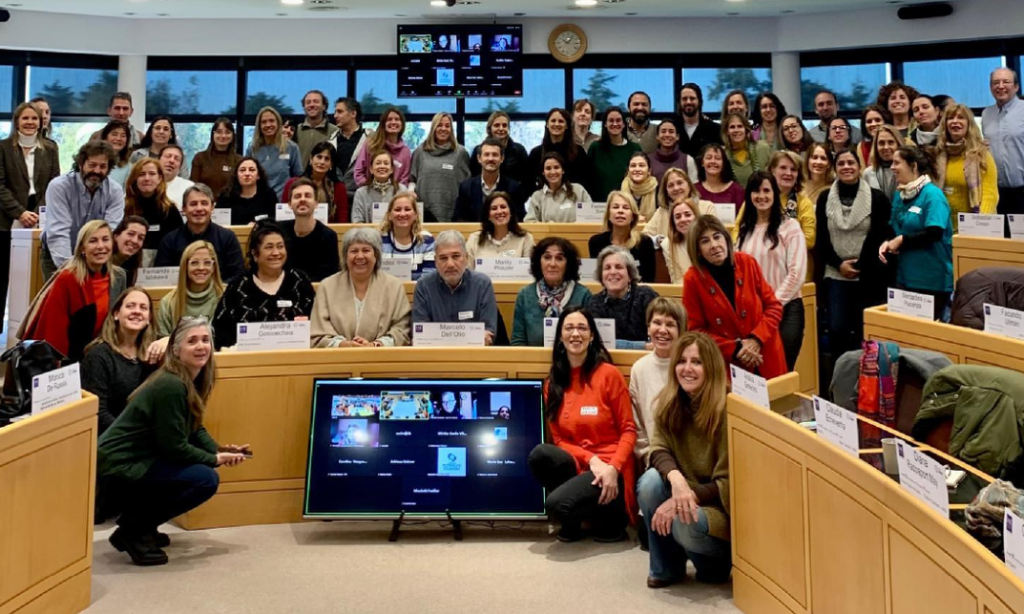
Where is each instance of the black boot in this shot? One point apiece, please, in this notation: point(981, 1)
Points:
point(141, 549)
point(158, 539)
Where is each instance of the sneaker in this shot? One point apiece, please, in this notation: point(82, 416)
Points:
point(139, 548)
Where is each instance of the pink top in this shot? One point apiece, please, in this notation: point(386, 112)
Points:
point(785, 266)
point(400, 155)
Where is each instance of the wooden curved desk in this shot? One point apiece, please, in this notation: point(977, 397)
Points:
point(970, 253)
point(815, 530)
point(47, 488)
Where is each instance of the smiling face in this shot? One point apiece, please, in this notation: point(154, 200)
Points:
point(899, 103)
point(393, 125)
point(887, 145)
point(676, 187)
point(690, 370)
point(134, 314)
point(620, 212)
point(118, 139)
point(848, 168)
point(149, 179)
point(403, 213)
point(553, 173)
point(443, 132)
point(499, 128)
point(556, 126)
point(321, 163)
point(769, 112)
point(956, 127)
point(248, 174)
point(1002, 85)
point(736, 104)
point(792, 131)
point(200, 267)
point(614, 275)
point(313, 105)
point(381, 167)
point(583, 116)
point(29, 121)
point(713, 247)
point(817, 163)
point(925, 113)
point(130, 241)
point(499, 212)
point(161, 132)
point(223, 136)
point(271, 254)
point(95, 170)
point(639, 108)
point(552, 266)
point(785, 175)
point(668, 136)
point(489, 158)
point(303, 200)
point(98, 248)
point(614, 123)
point(198, 209)
point(903, 171)
point(576, 334)
point(872, 121)
point(712, 162)
point(195, 349)
point(360, 260)
point(737, 131)
point(763, 198)
point(682, 217)
point(269, 125)
point(639, 170)
point(663, 331)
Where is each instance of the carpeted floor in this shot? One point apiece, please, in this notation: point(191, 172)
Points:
point(350, 567)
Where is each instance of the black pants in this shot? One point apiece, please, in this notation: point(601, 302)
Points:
point(571, 496)
point(941, 302)
point(791, 330)
point(165, 492)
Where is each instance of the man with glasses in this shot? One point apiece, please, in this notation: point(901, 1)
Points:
point(826, 105)
point(1003, 126)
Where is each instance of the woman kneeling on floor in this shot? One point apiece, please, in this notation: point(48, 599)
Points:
point(156, 461)
point(588, 468)
point(684, 496)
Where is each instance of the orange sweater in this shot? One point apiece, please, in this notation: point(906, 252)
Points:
point(596, 419)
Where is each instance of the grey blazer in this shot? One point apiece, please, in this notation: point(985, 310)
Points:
point(14, 185)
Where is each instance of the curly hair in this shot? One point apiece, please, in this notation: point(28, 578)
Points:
point(886, 91)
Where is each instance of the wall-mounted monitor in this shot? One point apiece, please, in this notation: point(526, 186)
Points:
point(425, 448)
point(460, 60)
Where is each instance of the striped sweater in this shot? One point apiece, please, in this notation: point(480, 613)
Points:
point(785, 266)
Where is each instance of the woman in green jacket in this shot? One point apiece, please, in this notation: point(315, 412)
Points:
point(156, 461)
point(555, 264)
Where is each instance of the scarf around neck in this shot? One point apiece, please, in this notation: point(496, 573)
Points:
point(28, 142)
point(910, 190)
point(972, 171)
point(552, 300)
point(860, 209)
point(645, 193)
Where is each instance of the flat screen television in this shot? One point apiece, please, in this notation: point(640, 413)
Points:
point(426, 448)
point(460, 60)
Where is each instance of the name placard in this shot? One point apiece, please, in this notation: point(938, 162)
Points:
point(288, 335)
point(283, 213)
point(911, 304)
point(923, 477)
point(379, 210)
point(55, 388)
point(1004, 321)
point(980, 225)
point(1015, 221)
point(590, 212)
point(588, 270)
point(838, 426)
point(504, 269)
point(221, 217)
point(157, 276)
point(42, 217)
point(399, 266)
point(448, 334)
point(751, 387)
point(726, 212)
point(1013, 542)
point(605, 327)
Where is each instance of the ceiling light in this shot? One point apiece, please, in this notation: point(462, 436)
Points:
point(734, 0)
point(586, 2)
point(437, 3)
point(291, 2)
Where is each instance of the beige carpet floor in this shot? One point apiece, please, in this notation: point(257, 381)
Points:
point(351, 568)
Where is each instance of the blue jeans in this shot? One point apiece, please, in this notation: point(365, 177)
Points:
point(711, 556)
point(165, 492)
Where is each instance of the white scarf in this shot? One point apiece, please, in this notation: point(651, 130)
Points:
point(860, 209)
point(28, 142)
point(910, 191)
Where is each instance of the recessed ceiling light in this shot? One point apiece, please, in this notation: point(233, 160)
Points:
point(631, 14)
point(321, 2)
point(586, 2)
point(281, 14)
point(400, 15)
point(437, 3)
point(163, 14)
point(614, 1)
point(732, 14)
point(129, 14)
point(291, 2)
point(787, 12)
point(519, 14)
point(734, 0)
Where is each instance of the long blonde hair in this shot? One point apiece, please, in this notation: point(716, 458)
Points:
point(673, 406)
point(634, 233)
point(386, 225)
point(258, 140)
point(111, 332)
point(875, 160)
point(431, 144)
point(973, 141)
point(663, 197)
point(179, 295)
point(131, 191)
point(77, 264)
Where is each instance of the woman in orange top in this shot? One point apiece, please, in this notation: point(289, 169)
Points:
point(588, 471)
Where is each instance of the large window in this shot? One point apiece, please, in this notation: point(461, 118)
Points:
point(172, 92)
point(6, 86)
point(543, 89)
point(378, 89)
point(856, 86)
point(965, 80)
point(716, 83)
point(284, 89)
point(73, 91)
point(193, 138)
point(70, 136)
point(612, 86)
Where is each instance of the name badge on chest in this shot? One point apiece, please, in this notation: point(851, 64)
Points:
point(283, 304)
point(588, 410)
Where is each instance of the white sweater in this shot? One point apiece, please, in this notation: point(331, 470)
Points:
point(647, 377)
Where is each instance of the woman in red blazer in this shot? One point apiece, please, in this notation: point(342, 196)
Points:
point(727, 297)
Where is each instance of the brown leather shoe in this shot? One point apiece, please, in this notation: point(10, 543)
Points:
point(658, 583)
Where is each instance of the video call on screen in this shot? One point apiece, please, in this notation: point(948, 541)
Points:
point(381, 447)
point(460, 60)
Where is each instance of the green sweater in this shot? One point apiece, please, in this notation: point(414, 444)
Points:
point(197, 304)
point(609, 167)
point(156, 425)
point(528, 325)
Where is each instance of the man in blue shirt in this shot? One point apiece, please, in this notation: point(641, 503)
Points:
point(452, 293)
point(83, 195)
point(1003, 126)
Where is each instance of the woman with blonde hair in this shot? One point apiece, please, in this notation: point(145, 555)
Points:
point(439, 165)
point(621, 216)
point(746, 155)
point(684, 496)
point(387, 137)
point(878, 171)
point(402, 235)
point(817, 162)
point(145, 195)
point(673, 244)
point(675, 186)
point(115, 362)
point(965, 166)
point(198, 291)
point(157, 461)
point(279, 156)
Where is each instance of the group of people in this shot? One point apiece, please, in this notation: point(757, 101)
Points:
point(828, 204)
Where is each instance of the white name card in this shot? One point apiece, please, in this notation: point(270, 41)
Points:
point(751, 387)
point(378, 211)
point(399, 266)
point(911, 304)
point(1013, 542)
point(284, 213)
point(221, 217)
point(288, 335)
point(837, 426)
point(726, 212)
point(504, 269)
point(55, 388)
point(42, 217)
point(923, 477)
point(1016, 222)
point(605, 327)
point(980, 225)
point(590, 212)
point(157, 276)
point(1004, 321)
point(588, 270)
point(448, 334)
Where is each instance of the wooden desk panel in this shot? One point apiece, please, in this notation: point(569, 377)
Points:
point(47, 488)
point(970, 253)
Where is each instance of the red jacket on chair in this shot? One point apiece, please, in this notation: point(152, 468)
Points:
point(757, 312)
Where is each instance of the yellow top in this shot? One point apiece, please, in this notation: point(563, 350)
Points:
point(956, 187)
point(740, 155)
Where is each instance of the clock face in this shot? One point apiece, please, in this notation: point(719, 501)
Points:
point(568, 43)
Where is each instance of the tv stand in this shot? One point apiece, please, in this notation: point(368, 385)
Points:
point(396, 526)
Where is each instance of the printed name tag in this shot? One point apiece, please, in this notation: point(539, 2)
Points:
point(751, 387)
point(911, 304)
point(221, 217)
point(915, 209)
point(838, 426)
point(588, 410)
point(590, 212)
point(154, 228)
point(55, 388)
point(448, 334)
point(398, 266)
point(396, 164)
point(1016, 224)
point(447, 167)
point(283, 304)
point(226, 169)
point(465, 315)
point(726, 212)
point(923, 477)
point(1013, 542)
point(284, 157)
point(291, 335)
point(980, 225)
point(149, 277)
point(565, 206)
point(588, 269)
point(1004, 321)
point(504, 269)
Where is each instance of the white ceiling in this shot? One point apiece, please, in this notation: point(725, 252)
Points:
point(419, 9)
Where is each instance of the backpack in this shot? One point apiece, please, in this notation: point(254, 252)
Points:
point(24, 361)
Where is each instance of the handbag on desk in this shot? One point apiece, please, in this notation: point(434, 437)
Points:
point(24, 361)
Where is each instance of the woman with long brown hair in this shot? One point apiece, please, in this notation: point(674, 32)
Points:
point(387, 137)
point(145, 195)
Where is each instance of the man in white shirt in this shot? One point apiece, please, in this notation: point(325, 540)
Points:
point(171, 158)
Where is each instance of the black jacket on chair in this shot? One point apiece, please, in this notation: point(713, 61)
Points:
point(471, 198)
point(14, 184)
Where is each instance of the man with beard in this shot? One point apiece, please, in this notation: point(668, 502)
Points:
point(638, 126)
point(314, 128)
point(453, 293)
point(83, 195)
point(474, 190)
point(826, 106)
point(695, 130)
